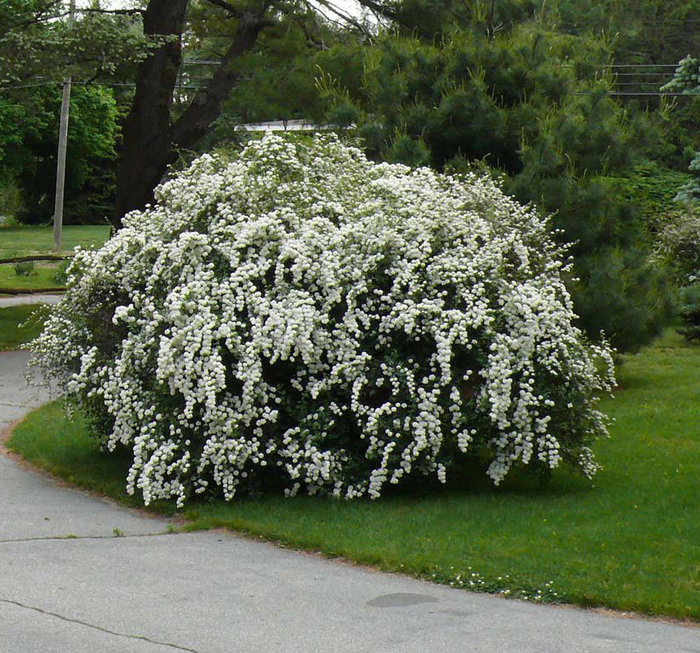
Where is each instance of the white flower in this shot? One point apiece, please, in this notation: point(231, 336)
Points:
point(303, 311)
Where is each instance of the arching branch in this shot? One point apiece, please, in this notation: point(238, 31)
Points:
point(227, 6)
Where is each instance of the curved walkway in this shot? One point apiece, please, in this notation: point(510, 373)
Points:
point(68, 584)
point(16, 300)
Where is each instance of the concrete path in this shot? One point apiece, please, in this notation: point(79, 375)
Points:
point(68, 584)
point(17, 300)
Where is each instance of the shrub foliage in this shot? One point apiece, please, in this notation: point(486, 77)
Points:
point(302, 315)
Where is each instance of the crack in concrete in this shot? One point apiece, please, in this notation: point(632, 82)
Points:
point(63, 538)
point(98, 628)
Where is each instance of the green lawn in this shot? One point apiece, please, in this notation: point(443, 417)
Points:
point(42, 278)
point(19, 324)
point(25, 241)
point(629, 541)
point(33, 241)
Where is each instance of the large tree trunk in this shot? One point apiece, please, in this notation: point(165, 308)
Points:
point(147, 148)
point(149, 136)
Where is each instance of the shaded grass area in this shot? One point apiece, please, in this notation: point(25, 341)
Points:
point(31, 240)
point(628, 541)
point(20, 324)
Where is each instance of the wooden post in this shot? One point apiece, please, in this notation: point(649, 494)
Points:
point(62, 147)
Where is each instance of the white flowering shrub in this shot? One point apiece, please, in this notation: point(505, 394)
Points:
point(301, 315)
point(679, 245)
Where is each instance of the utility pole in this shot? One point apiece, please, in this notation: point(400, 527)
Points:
point(62, 146)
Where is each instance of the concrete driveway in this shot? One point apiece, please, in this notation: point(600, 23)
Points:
point(69, 584)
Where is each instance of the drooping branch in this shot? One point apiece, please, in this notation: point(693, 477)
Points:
point(311, 39)
point(345, 17)
point(117, 12)
point(387, 11)
point(227, 6)
point(380, 8)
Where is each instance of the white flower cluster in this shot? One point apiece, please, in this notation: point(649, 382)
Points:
point(679, 244)
point(301, 315)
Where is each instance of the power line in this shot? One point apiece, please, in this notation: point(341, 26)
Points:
point(109, 84)
point(38, 84)
point(655, 94)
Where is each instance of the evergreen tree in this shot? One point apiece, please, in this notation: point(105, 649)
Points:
point(687, 80)
point(527, 103)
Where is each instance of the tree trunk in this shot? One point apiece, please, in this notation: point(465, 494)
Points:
point(149, 137)
point(147, 148)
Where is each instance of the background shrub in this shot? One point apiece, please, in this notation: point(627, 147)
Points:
point(690, 311)
point(679, 245)
point(24, 269)
point(60, 274)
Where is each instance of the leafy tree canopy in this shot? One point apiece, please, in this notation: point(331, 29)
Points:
point(38, 42)
point(29, 142)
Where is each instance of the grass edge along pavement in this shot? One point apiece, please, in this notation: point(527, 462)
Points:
point(629, 541)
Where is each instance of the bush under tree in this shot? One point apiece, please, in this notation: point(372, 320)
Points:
point(679, 244)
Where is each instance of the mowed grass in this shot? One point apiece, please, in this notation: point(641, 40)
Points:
point(30, 240)
point(629, 541)
point(34, 241)
point(20, 324)
point(42, 279)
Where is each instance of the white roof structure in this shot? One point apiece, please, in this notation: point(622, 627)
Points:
point(284, 126)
